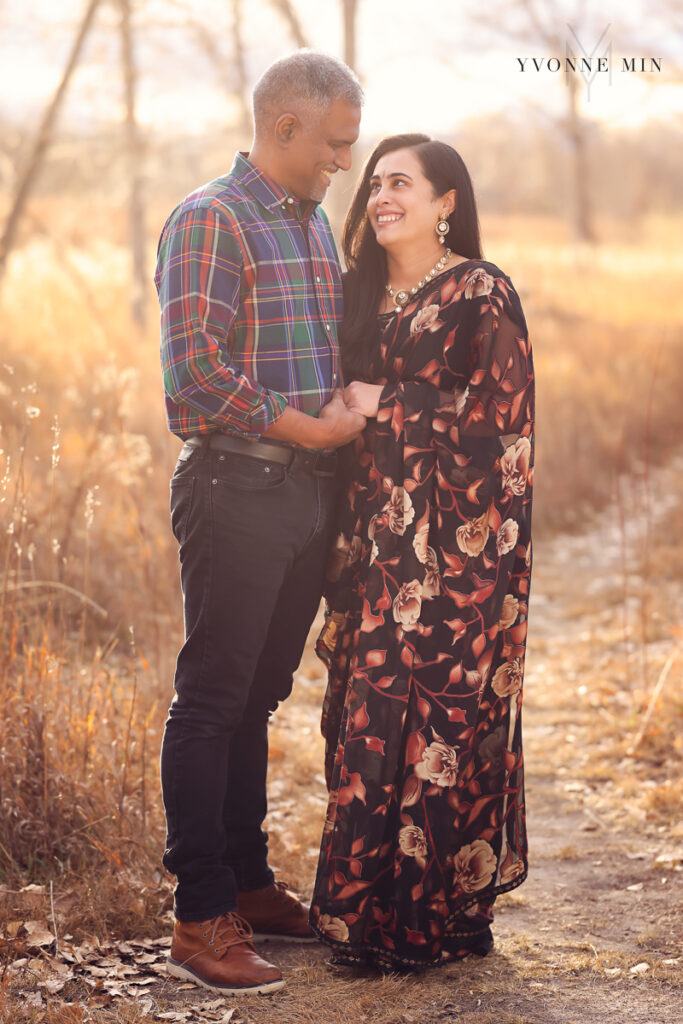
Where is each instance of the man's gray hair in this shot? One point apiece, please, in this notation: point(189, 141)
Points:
point(307, 78)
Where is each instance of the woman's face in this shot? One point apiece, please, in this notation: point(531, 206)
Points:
point(402, 207)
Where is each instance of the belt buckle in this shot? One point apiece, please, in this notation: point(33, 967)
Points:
point(325, 464)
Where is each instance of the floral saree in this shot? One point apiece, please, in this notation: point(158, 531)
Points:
point(427, 596)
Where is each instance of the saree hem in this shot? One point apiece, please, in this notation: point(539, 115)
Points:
point(457, 945)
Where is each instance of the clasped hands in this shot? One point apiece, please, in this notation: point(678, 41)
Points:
point(362, 398)
point(345, 415)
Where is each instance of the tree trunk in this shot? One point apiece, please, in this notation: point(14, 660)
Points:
point(350, 9)
point(583, 217)
point(288, 12)
point(136, 208)
point(240, 66)
point(42, 139)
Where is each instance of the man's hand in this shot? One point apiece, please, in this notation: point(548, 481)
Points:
point(363, 398)
point(341, 423)
point(334, 426)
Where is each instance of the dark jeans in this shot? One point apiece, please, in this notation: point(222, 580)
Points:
point(254, 539)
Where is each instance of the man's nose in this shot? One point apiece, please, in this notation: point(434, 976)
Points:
point(342, 158)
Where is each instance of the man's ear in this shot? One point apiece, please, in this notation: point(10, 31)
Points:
point(286, 128)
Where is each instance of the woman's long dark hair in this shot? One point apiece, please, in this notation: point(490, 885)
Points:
point(366, 262)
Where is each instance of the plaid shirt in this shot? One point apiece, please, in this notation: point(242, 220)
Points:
point(250, 292)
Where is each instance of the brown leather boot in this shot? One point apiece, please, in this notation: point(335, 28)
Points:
point(218, 955)
point(275, 913)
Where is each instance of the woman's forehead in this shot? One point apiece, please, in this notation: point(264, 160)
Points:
point(400, 160)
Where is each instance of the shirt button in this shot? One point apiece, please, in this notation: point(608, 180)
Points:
point(290, 200)
point(317, 277)
point(328, 327)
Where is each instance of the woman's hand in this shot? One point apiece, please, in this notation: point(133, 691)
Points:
point(363, 398)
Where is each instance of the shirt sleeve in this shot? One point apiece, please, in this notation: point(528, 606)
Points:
point(198, 278)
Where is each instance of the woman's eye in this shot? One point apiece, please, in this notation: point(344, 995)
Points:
point(374, 186)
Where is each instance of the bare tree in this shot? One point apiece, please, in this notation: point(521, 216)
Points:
point(349, 12)
point(530, 22)
point(43, 138)
point(241, 64)
point(288, 11)
point(136, 208)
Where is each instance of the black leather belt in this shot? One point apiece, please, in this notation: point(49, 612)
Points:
point(320, 463)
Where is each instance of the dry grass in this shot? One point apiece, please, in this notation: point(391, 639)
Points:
point(90, 613)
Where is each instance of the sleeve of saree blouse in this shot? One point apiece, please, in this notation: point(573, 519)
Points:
point(495, 397)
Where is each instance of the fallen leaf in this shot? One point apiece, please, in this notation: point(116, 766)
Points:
point(54, 963)
point(147, 958)
point(612, 971)
point(641, 968)
point(637, 887)
point(670, 859)
point(38, 934)
point(113, 989)
point(54, 985)
point(97, 972)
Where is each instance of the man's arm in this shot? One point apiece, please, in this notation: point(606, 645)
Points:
point(336, 425)
point(198, 278)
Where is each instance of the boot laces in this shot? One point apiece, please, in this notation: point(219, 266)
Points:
point(229, 930)
point(284, 895)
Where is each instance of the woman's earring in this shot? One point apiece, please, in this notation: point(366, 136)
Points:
point(442, 229)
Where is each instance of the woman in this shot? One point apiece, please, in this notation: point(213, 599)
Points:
point(429, 584)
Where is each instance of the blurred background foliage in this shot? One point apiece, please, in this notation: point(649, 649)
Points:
point(113, 110)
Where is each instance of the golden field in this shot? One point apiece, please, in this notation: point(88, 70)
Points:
point(90, 614)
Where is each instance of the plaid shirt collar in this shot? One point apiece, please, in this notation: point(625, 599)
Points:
point(264, 189)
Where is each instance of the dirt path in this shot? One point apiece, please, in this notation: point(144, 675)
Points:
point(594, 935)
point(604, 887)
point(572, 943)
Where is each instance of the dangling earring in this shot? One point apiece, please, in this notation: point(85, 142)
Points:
point(442, 228)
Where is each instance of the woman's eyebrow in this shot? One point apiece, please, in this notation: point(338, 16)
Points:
point(394, 174)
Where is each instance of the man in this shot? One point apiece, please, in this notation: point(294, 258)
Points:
point(250, 292)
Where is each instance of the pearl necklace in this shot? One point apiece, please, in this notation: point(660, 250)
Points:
point(401, 296)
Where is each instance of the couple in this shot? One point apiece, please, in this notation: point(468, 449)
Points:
point(376, 439)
